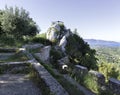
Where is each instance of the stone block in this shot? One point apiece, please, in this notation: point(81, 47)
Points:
point(114, 85)
point(80, 70)
point(99, 78)
point(44, 54)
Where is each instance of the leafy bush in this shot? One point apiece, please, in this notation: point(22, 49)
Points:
point(90, 83)
point(16, 22)
point(109, 70)
point(41, 40)
point(55, 55)
point(80, 51)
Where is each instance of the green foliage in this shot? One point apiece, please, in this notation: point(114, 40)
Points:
point(41, 40)
point(86, 80)
point(108, 54)
point(16, 23)
point(80, 50)
point(90, 83)
point(70, 88)
point(109, 70)
point(7, 40)
point(108, 61)
point(56, 55)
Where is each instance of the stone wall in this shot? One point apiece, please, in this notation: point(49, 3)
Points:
point(113, 84)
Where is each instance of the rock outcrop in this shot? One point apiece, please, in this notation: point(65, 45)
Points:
point(58, 33)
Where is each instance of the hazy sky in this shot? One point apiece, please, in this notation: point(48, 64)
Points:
point(98, 19)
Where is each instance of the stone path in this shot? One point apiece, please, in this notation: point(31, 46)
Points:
point(17, 84)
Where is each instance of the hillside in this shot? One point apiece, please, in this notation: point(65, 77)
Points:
point(94, 42)
point(107, 51)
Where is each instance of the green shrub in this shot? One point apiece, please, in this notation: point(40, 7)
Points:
point(43, 35)
point(55, 56)
point(7, 40)
point(109, 70)
point(78, 49)
point(41, 40)
point(90, 83)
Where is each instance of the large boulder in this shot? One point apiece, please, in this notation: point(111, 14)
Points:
point(51, 35)
point(44, 54)
point(53, 32)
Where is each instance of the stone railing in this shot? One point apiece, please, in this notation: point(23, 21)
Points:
point(113, 84)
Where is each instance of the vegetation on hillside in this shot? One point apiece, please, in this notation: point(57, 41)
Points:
point(108, 61)
point(15, 24)
point(80, 52)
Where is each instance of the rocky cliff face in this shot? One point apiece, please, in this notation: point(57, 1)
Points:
point(58, 33)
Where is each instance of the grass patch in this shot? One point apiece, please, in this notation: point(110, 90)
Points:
point(70, 88)
point(19, 56)
point(89, 82)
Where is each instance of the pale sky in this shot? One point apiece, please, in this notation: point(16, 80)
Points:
point(96, 19)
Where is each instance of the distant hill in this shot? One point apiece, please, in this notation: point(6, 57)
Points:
point(94, 42)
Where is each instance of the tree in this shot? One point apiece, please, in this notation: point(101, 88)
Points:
point(80, 51)
point(16, 23)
